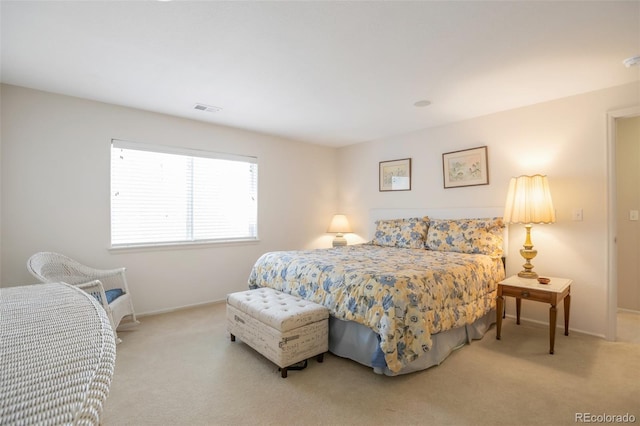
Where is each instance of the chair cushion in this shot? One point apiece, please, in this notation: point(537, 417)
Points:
point(113, 294)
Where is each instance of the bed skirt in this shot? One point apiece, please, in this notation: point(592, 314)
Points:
point(351, 340)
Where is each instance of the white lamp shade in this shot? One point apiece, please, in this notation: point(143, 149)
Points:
point(339, 224)
point(529, 201)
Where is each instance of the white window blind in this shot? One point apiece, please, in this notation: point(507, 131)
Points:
point(162, 195)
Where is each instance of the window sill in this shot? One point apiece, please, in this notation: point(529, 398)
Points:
point(182, 245)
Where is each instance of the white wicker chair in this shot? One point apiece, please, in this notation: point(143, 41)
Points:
point(54, 267)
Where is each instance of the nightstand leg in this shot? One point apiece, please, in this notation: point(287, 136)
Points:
point(499, 308)
point(553, 316)
point(518, 305)
point(567, 307)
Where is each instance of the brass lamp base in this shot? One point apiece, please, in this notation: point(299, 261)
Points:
point(527, 274)
point(528, 253)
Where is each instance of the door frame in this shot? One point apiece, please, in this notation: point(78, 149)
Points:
point(612, 211)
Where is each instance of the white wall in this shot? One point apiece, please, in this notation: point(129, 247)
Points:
point(565, 139)
point(55, 191)
point(55, 195)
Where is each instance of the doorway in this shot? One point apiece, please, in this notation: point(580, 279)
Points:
point(623, 228)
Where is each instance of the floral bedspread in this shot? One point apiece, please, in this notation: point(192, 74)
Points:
point(402, 294)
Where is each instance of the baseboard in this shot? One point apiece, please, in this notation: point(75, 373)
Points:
point(627, 311)
point(179, 308)
point(561, 326)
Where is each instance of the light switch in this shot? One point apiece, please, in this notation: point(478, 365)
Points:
point(576, 215)
point(633, 214)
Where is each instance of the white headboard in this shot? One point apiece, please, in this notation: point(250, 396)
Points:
point(442, 213)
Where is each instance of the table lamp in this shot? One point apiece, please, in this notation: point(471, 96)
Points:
point(528, 202)
point(339, 225)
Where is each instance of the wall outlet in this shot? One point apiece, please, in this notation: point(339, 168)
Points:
point(576, 215)
point(633, 214)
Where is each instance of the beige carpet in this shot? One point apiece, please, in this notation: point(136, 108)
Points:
point(628, 327)
point(181, 369)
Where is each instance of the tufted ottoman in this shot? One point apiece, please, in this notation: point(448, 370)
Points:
point(284, 328)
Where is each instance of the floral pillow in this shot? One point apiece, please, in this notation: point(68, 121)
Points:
point(481, 236)
point(405, 233)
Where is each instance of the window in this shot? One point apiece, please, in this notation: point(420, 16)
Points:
point(163, 195)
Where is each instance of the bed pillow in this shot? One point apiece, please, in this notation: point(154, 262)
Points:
point(481, 236)
point(405, 233)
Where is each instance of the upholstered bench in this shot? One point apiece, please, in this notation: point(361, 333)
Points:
point(285, 329)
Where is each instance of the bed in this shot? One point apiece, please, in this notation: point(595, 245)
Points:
point(421, 287)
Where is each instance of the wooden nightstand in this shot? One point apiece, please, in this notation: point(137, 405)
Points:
point(553, 293)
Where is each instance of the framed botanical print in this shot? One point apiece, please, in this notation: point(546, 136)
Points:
point(468, 167)
point(395, 175)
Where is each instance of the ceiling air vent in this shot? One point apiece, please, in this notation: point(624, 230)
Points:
point(206, 108)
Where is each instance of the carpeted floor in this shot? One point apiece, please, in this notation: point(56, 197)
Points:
point(628, 329)
point(180, 368)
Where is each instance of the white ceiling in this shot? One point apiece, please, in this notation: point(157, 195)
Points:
point(332, 73)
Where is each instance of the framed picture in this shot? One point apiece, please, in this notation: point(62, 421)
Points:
point(465, 168)
point(395, 175)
